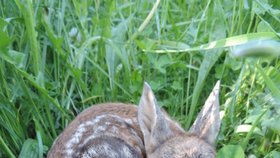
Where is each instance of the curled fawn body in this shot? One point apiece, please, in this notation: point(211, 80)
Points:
point(116, 130)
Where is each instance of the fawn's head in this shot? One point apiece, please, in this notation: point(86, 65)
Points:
point(164, 138)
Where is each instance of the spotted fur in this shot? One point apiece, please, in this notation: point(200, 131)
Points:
point(116, 130)
point(105, 130)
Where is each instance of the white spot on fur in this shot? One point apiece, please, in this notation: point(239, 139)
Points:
point(87, 140)
point(134, 120)
point(115, 129)
point(69, 151)
point(129, 121)
point(97, 126)
point(91, 152)
point(77, 136)
point(127, 152)
point(96, 150)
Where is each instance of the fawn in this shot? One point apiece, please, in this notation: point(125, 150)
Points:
point(117, 130)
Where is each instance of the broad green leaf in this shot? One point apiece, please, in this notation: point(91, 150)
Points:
point(14, 57)
point(273, 124)
point(247, 128)
point(231, 151)
point(273, 154)
point(176, 85)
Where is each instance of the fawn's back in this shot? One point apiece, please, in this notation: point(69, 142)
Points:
point(116, 130)
point(105, 130)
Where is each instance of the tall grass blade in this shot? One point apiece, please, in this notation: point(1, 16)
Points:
point(227, 42)
point(270, 84)
point(26, 9)
point(6, 149)
point(206, 65)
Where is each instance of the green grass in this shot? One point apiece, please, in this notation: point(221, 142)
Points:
point(59, 57)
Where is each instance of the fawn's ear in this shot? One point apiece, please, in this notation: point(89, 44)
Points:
point(207, 123)
point(154, 125)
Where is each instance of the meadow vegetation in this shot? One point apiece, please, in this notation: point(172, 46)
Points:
point(58, 57)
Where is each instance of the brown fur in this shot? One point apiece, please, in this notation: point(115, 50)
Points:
point(125, 111)
point(166, 139)
point(117, 130)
